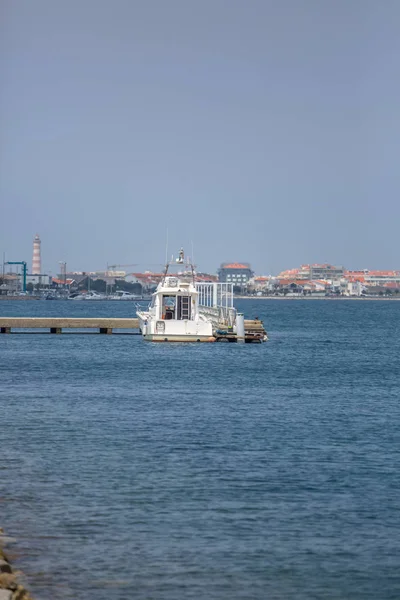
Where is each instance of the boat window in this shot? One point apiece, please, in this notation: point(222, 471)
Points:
point(176, 307)
point(168, 307)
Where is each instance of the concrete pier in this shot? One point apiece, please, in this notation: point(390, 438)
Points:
point(57, 325)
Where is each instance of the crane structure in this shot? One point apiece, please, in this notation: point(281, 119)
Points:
point(23, 263)
point(113, 267)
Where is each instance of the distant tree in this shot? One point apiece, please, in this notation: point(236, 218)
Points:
point(87, 283)
point(98, 285)
point(83, 284)
point(29, 287)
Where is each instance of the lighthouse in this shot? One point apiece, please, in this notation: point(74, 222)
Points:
point(36, 260)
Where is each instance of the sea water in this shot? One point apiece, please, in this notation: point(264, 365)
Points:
point(132, 470)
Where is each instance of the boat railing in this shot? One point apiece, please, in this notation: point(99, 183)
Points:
point(215, 294)
point(219, 316)
point(216, 302)
point(142, 307)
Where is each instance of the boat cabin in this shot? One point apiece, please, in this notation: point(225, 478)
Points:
point(175, 300)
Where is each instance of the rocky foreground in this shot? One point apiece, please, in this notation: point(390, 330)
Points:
point(10, 587)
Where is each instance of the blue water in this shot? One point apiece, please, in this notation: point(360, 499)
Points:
point(132, 470)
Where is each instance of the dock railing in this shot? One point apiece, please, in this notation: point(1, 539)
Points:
point(142, 306)
point(216, 303)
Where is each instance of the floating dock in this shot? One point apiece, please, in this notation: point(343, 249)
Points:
point(254, 332)
point(253, 329)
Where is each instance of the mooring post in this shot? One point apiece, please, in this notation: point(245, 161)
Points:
point(215, 295)
point(240, 334)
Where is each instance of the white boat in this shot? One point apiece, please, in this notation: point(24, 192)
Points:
point(121, 295)
point(174, 314)
point(87, 296)
point(93, 296)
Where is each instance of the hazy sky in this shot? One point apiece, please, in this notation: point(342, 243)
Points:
point(263, 130)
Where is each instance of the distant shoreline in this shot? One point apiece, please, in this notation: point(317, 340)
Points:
point(4, 297)
point(362, 298)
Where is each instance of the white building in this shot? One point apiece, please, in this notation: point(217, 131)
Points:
point(39, 279)
point(353, 288)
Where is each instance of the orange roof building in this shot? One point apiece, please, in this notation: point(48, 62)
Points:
point(237, 273)
point(314, 272)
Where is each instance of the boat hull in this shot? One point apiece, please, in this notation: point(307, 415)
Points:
point(178, 338)
point(157, 330)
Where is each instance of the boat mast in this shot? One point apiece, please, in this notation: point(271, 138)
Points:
point(179, 261)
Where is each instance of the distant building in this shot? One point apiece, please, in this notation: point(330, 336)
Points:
point(77, 276)
point(326, 272)
point(381, 278)
point(147, 280)
point(38, 279)
point(315, 272)
point(302, 286)
point(61, 282)
point(109, 274)
point(236, 273)
point(11, 284)
point(354, 288)
point(206, 277)
point(259, 283)
point(374, 278)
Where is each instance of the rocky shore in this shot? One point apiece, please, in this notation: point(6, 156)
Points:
point(10, 586)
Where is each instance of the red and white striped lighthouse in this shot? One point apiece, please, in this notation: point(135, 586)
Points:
point(36, 260)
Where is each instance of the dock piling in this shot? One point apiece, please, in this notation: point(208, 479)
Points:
point(240, 332)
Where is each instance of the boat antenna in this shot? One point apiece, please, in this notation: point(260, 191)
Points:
point(192, 263)
point(166, 259)
point(166, 248)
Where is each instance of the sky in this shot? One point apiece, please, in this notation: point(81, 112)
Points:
point(265, 131)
